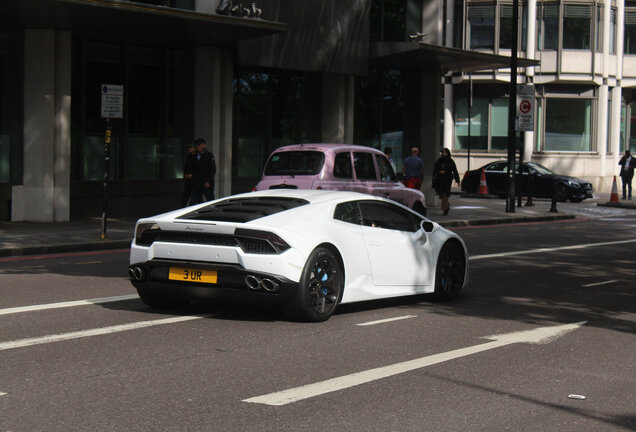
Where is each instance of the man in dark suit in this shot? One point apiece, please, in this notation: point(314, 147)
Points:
point(203, 174)
point(627, 163)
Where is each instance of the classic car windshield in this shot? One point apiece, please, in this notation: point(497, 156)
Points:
point(295, 163)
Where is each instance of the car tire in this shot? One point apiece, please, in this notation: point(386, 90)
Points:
point(159, 300)
point(561, 192)
point(319, 290)
point(575, 200)
point(450, 271)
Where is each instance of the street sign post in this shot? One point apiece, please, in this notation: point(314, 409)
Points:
point(525, 107)
point(112, 107)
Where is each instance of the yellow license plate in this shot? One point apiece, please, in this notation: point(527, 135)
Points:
point(192, 275)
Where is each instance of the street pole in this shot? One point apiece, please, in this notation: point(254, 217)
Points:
point(470, 119)
point(512, 110)
point(106, 169)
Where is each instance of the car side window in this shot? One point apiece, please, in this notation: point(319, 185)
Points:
point(386, 170)
point(348, 212)
point(498, 166)
point(363, 164)
point(388, 216)
point(342, 165)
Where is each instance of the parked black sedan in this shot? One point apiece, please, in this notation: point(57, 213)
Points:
point(543, 181)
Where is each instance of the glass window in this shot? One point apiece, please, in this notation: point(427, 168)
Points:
point(388, 216)
point(612, 41)
point(598, 35)
point(576, 26)
point(478, 134)
point(481, 26)
point(295, 163)
point(505, 26)
point(386, 170)
point(549, 31)
point(270, 111)
point(379, 111)
point(348, 212)
point(632, 127)
point(630, 31)
point(388, 21)
point(342, 166)
point(499, 124)
point(568, 124)
point(149, 142)
point(363, 164)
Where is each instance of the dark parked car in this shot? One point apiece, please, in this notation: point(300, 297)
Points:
point(567, 187)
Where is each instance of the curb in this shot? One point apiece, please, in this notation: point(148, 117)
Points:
point(64, 248)
point(622, 205)
point(501, 221)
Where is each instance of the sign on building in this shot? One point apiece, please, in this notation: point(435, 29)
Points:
point(525, 107)
point(112, 101)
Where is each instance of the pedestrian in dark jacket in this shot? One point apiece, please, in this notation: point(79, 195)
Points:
point(627, 163)
point(443, 173)
point(203, 174)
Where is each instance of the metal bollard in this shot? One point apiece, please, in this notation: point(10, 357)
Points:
point(531, 177)
point(553, 207)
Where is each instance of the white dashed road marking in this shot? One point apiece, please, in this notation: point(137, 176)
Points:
point(554, 249)
point(382, 321)
point(599, 283)
point(95, 332)
point(58, 305)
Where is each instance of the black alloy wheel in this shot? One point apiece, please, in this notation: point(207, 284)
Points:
point(451, 269)
point(319, 290)
point(561, 192)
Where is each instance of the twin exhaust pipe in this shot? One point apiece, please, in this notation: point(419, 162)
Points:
point(255, 283)
point(136, 273)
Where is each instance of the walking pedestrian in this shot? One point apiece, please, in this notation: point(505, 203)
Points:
point(627, 163)
point(444, 172)
point(388, 151)
point(188, 172)
point(203, 174)
point(413, 170)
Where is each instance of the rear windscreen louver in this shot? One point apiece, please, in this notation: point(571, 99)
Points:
point(244, 209)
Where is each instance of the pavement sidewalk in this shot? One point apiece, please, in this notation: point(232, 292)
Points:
point(30, 238)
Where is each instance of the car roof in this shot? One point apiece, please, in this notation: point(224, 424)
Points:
point(314, 196)
point(326, 147)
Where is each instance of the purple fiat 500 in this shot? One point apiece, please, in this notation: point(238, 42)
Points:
point(337, 167)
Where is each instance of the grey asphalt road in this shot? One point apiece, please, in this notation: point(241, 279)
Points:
point(116, 365)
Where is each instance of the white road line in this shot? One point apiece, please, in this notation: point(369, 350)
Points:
point(554, 249)
point(3, 394)
point(540, 335)
point(599, 283)
point(382, 321)
point(66, 304)
point(95, 332)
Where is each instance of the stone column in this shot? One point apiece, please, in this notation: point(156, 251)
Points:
point(213, 110)
point(44, 194)
point(337, 108)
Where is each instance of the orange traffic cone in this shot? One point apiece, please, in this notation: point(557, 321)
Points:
point(614, 195)
point(483, 188)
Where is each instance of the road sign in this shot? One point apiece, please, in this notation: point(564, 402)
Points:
point(525, 107)
point(112, 101)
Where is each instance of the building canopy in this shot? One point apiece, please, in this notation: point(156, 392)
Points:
point(134, 21)
point(423, 57)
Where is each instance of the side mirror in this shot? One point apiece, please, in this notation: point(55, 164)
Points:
point(427, 226)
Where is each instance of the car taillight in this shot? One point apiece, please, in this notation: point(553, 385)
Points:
point(254, 241)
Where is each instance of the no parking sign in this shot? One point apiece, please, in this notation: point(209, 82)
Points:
point(525, 107)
